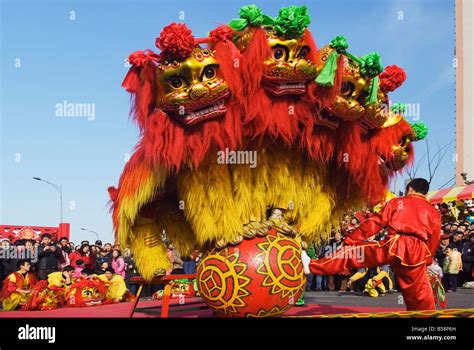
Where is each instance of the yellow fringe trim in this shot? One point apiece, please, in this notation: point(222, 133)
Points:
point(148, 257)
point(209, 205)
point(130, 205)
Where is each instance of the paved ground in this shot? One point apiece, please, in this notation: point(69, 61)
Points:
point(316, 303)
point(463, 298)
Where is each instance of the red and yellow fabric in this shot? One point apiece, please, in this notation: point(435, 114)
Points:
point(416, 222)
point(87, 292)
point(57, 280)
point(45, 298)
point(11, 299)
point(414, 227)
point(116, 287)
point(388, 197)
point(439, 293)
point(445, 195)
point(448, 313)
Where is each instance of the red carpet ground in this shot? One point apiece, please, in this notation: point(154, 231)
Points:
point(195, 310)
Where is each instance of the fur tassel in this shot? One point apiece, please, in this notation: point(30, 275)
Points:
point(255, 54)
point(250, 204)
point(309, 40)
point(230, 62)
point(165, 141)
point(209, 205)
point(148, 257)
point(171, 219)
point(137, 187)
point(142, 101)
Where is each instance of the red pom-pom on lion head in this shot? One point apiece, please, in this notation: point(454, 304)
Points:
point(221, 33)
point(392, 78)
point(176, 42)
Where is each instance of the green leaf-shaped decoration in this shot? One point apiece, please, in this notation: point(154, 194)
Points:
point(292, 21)
point(420, 129)
point(252, 16)
point(339, 43)
point(371, 65)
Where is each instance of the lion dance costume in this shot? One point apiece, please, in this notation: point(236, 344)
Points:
point(253, 142)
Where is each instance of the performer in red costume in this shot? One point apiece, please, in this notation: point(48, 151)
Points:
point(414, 227)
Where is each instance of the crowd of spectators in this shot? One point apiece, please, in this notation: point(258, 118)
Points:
point(453, 261)
point(52, 256)
point(48, 256)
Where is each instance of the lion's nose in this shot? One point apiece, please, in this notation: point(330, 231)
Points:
point(198, 91)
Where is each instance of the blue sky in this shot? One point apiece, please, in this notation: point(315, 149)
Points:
point(82, 61)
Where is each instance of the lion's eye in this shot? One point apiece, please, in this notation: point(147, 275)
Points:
point(209, 72)
point(303, 52)
point(347, 89)
point(405, 141)
point(176, 82)
point(279, 53)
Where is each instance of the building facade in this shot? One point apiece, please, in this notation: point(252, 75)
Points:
point(464, 90)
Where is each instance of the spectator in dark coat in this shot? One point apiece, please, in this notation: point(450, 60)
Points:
point(65, 250)
point(440, 252)
point(10, 260)
point(467, 260)
point(102, 268)
point(103, 257)
point(4, 247)
point(458, 240)
point(65, 246)
point(130, 271)
point(48, 257)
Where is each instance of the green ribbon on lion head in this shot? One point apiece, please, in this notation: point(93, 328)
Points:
point(252, 16)
point(328, 73)
point(420, 129)
point(291, 21)
point(371, 67)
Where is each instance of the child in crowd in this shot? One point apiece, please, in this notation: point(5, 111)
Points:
point(79, 267)
point(435, 269)
point(451, 266)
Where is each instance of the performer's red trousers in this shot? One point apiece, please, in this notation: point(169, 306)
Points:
point(413, 280)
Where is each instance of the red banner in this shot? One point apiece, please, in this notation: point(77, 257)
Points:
point(16, 232)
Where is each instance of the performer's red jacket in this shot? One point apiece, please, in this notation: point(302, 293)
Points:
point(414, 229)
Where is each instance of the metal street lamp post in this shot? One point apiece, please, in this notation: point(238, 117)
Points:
point(96, 234)
point(59, 189)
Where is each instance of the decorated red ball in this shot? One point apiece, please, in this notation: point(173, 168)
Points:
point(260, 277)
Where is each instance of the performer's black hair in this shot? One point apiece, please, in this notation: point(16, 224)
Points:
point(22, 262)
point(451, 246)
point(88, 272)
point(420, 185)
